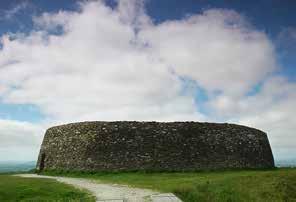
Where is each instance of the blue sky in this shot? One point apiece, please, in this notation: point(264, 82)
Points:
point(225, 61)
point(272, 17)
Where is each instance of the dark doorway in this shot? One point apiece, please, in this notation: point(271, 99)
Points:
point(42, 162)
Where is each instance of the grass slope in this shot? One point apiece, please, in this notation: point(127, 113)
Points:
point(270, 185)
point(14, 188)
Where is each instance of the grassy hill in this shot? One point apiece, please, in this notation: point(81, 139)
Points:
point(26, 189)
point(249, 185)
point(278, 185)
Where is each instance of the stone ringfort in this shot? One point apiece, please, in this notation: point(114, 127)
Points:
point(153, 146)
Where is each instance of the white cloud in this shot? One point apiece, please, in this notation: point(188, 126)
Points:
point(218, 49)
point(132, 12)
point(19, 140)
point(97, 70)
point(117, 65)
point(272, 109)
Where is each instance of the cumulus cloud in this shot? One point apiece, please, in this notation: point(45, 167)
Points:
point(217, 49)
point(99, 63)
point(271, 109)
point(97, 68)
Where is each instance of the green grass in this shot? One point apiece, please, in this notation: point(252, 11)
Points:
point(251, 185)
point(14, 188)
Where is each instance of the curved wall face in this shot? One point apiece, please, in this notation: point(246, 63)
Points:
point(178, 146)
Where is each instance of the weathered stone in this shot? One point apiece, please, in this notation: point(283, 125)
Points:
point(172, 146)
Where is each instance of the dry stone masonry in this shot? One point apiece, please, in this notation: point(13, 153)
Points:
point(153, 146)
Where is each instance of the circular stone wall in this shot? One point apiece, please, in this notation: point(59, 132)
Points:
point(172, 146)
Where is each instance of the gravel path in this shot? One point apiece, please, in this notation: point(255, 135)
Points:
point(112, 192)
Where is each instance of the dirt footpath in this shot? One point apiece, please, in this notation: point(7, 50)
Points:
point(112, 192)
